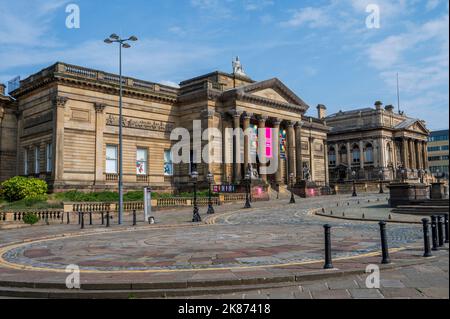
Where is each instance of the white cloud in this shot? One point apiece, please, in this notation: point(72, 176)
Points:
point(432, 4)
point(391, 50)
point(255, 5)
point(309, 16)
point(27, 23)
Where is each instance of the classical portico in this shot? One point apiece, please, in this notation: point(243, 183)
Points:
point(376, 144)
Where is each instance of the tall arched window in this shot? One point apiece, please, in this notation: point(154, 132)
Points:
point(356, 153)
point(332, 156)
point(368, 154)
point(343, 155)
point(390, 155)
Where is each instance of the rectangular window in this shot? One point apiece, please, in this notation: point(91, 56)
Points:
point(434, 149)
point(37, 160)
point(168, 163)
point(141, 161)
point(49, 156)
point(25, 162)
point(444, 148)
point(434, 158)
point(111, 159)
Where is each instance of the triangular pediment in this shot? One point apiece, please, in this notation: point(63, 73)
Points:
point(413, 125)
point(274, 90)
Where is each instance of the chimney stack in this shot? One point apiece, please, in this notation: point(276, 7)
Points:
point(321, 111)
point(389, 108)
point(378, 105)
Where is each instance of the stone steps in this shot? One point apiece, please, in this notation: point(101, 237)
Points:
point(421, 210)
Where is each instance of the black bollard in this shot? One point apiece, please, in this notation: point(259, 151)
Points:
point(107, 219)
point(82, 220)
point(434, 234)
point(446, 229)
point(68, 218)
point(384, 244)
point(79, 218)
point(441, 239)
point(328, 257)
point(134, 218)
point(103, 218)
point(426, 238)
point(90, 218)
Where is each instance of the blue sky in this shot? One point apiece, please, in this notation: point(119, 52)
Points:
point(321, 49)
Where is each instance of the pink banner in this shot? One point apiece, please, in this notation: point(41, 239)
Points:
point(269, 153)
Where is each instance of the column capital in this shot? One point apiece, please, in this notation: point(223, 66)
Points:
point(60, 101)
point(299, 124)
point(276, 121)
point(99, 107)
point(262, 118)
point(247, 116)
point(236, 113)
point(290, 124)
point(208, 114)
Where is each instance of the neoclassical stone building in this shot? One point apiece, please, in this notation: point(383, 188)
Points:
point(375, 143)
point(63, 125)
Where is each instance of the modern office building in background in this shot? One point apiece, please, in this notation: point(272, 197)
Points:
point(438, 152)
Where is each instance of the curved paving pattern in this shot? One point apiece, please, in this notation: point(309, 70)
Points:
point(270, 236)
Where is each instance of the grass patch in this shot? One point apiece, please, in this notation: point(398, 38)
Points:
point(26, 204)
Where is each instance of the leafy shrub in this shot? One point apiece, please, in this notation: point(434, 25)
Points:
point(30, 219)
point(18, 188)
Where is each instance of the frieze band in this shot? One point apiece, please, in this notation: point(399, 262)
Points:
point(113, 120)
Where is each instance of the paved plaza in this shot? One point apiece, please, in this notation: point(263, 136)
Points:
point(270, 245)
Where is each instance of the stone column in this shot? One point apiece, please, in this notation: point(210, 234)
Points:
point(311, 158)
point(58, 138)
point(246, 125)
point(226, 146)
point(405, 160)
point(263, 160)
point(325, 155)
point(298, 148)
point(412, 154)
point(276, 143)
point(291, 150)
point(361, 155)
point(425, 156)
point(237, 172)
point(417, 152)
point(99, 132)
point(382, 147)
point(349, 156)
point(338, 154)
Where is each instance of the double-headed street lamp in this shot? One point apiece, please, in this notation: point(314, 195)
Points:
point(210, 203)
point(196, 215)
point(248, 181)
point(381, 172)
point(123, 43)
point(355, 194)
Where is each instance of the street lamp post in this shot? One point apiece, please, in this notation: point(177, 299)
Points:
point(210, 203)
point(291, 177)
point(196, 215)
point(381, 181)
point(247, 192)
point(123, 43)
point(354, 184)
